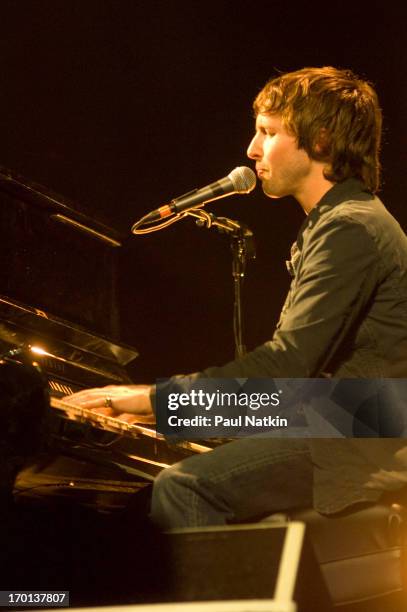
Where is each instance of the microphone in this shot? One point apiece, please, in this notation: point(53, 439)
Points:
point(240, 180)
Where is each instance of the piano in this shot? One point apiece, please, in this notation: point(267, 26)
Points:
point(58, 308)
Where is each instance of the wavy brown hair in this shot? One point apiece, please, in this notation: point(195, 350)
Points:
point(335, 117)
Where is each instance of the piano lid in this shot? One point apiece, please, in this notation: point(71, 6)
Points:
point(56, 259)
point(58, 207)
point(62, 348)
point(23, 322)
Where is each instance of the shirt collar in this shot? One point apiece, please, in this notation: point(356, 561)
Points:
point(349, 189)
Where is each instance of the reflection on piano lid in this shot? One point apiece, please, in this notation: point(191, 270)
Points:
point(71, 357)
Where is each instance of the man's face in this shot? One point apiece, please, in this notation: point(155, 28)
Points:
point(282, 167)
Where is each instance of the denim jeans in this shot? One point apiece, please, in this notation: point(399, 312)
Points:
point(238, 481)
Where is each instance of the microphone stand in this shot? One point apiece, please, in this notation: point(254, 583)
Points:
point(243, 248)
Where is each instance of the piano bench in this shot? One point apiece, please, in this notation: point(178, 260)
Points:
point(361, 554)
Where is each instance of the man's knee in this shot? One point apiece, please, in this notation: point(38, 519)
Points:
point(171, 485)
point(165, 480)
point(172, 497)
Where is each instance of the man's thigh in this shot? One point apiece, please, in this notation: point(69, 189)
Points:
point(251, 476)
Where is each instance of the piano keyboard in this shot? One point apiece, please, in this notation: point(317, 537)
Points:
point(114, 425)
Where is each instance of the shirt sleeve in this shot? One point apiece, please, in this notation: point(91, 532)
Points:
point(335, 281)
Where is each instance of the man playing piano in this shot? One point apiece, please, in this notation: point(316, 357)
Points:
point(317, 138)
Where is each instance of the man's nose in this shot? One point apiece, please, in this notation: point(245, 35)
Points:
point(254, 150)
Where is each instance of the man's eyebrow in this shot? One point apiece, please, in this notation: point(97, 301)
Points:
point(264, 124)
point(261, 123)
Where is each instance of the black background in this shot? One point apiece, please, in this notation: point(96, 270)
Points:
point(120, 105)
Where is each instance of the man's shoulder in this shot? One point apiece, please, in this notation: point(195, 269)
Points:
point(355, 210)
point(369, 216)
point(354, 229)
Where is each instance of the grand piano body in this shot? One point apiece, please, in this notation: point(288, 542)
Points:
point(58, 308)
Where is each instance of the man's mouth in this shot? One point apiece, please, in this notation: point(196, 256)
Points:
point(261, 172)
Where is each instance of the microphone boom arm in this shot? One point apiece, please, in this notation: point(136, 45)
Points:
point(240, 180)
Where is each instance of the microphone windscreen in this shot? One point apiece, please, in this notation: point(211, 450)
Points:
point(243, 179)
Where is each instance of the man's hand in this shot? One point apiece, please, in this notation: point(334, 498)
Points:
point(130, 403)
point(391, 480)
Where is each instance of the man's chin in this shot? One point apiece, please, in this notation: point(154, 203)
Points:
point(271, 193)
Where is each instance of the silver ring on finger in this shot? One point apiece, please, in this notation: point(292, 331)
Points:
point(108, 402)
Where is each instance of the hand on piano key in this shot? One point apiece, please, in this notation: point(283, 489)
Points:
point(129, 403)
point(391, 480)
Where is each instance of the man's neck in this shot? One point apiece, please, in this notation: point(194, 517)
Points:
point(313, 189)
